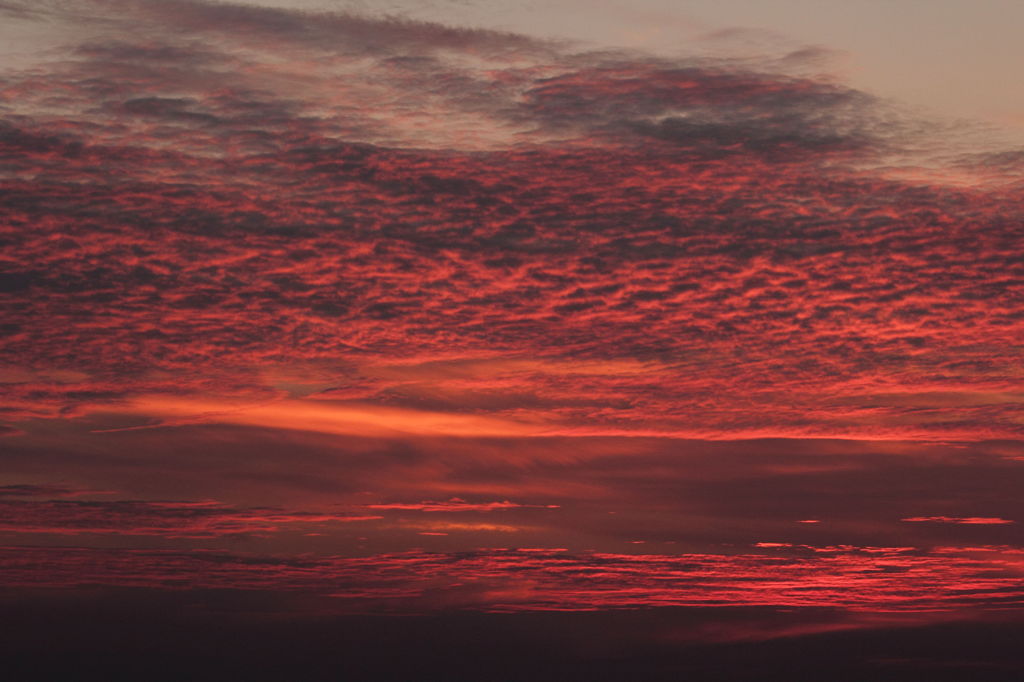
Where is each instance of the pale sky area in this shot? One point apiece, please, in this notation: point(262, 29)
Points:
point(950, 58)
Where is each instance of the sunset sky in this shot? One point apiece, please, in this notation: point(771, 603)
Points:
point(479, 340)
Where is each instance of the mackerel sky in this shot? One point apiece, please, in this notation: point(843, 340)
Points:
point(701, 317)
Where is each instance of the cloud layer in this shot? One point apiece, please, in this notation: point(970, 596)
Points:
point(872, 579)
point(387, 314)
point(184, 213)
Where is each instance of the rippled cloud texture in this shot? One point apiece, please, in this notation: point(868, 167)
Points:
point(407, 318)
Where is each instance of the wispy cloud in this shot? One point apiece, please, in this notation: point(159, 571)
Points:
point(131, 518)
point(454, 505)
point(969, 520)
point(852, 580)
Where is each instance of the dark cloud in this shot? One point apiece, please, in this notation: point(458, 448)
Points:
point(28, 490)
point(213, 635)
point(278, 28)
point(130, 518)
point(712, 110)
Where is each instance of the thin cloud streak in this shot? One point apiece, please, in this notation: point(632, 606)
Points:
point(969, 520)
point(128, 518)
point(854, 579)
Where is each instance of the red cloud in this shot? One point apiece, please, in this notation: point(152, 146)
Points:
point(455, 505)
point(970, 520)
point(867, 580)
point(528, 273)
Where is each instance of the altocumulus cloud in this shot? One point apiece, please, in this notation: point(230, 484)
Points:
point(188, 201)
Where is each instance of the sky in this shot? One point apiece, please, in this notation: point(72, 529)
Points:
point(946, 58)
point(520, 341)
